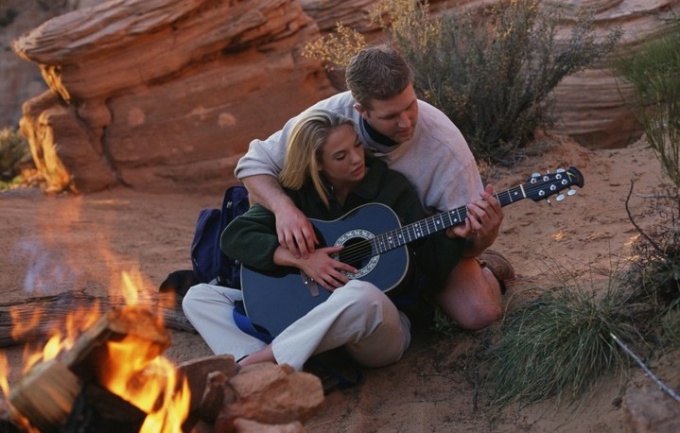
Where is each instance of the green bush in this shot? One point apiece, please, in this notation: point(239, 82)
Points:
point(490, 72)
point(655, 271)
point(14, 152)
point(653, 72)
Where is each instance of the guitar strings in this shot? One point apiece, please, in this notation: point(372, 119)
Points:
point(367, 248)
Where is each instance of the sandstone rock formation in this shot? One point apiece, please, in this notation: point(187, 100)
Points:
point(161, 94)
point(594, 105)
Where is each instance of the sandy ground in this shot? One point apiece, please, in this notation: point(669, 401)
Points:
point(84, 243)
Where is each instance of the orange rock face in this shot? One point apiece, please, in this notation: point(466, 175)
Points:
point(165, 95)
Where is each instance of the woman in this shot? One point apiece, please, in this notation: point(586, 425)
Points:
point(327, 174)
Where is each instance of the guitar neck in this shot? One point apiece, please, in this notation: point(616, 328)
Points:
point(435, 223)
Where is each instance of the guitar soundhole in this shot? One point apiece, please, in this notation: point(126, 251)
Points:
point(358, 252)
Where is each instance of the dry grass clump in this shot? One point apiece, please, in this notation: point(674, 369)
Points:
point(559, 344)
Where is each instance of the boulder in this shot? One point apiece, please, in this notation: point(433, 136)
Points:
point(169, 94)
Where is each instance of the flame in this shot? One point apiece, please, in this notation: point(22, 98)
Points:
point(175, 407)
point(130, 292)
point(4, 374)
point(149, 382)
point(133, 369)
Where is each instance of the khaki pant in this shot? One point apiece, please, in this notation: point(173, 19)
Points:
point(357, 315)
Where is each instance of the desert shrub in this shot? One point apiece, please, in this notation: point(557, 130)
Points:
point(558, 344)
point(654, 267)
point(14, 152)
point(655, 270)
point(490, 72)
point(653, 72)
point(336, 49)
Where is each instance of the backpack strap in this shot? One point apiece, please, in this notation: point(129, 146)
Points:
point(245, 325)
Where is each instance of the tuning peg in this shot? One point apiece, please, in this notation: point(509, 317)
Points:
point(560, 197)
point(560, 170)
point(549, 202)
point(571, 191)
point(536, 175)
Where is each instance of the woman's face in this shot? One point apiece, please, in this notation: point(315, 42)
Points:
point(342, 157)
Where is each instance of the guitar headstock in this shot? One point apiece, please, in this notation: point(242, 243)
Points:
point(542, 186)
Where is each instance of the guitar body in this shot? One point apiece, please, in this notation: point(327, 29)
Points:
point(274, 300)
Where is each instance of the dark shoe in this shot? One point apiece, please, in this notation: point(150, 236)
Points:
point(336, 370)
point(179, 282)
point(499, 266)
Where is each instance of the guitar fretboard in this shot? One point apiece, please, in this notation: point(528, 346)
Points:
point(435, 223)
point(539, 187)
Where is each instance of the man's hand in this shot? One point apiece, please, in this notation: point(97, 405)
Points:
point(295, 232)
point(293, 229)
point(483, 222)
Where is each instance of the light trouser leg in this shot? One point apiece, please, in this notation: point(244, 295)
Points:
point(210, 310)
point(357, 315)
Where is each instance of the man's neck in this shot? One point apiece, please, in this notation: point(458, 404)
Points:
point(377, 136)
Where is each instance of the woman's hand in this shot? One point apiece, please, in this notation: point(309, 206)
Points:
point(324, 269)
point(321, 266)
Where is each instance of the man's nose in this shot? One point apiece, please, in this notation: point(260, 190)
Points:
point(404, 121)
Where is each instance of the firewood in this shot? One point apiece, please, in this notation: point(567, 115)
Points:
point(51, 311)
point(90, 349)
point(98, 410)
point(45, 395)
point(8, 422)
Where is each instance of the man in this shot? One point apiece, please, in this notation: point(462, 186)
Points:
point(419, 141)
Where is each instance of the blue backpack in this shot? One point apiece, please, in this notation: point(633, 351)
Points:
point(210, 264)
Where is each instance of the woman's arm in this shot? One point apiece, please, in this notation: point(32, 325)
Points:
point(251, 239)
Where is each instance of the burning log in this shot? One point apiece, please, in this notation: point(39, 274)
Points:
point(98, 410)
point(117, 325)
point(8, 423)
point(75, 393)
point(46, 396)
point(55, 310)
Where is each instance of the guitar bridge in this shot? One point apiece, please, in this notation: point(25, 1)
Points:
point(311, 285)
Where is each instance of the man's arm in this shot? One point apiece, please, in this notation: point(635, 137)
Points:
point(293, 228)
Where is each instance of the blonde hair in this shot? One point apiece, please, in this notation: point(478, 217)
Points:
point(305, 147)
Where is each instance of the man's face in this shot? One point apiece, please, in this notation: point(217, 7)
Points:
point(395, 118)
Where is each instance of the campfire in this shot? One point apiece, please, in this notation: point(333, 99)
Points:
point(107, 373)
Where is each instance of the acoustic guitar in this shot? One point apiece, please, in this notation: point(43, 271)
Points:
point(375, 244)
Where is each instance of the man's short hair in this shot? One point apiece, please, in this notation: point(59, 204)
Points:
point(377, 73)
